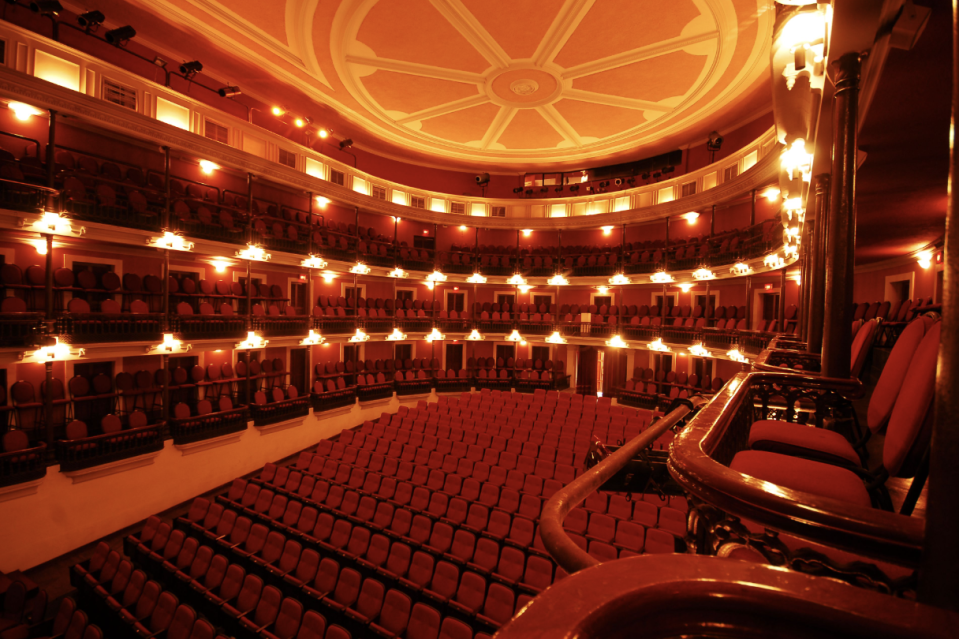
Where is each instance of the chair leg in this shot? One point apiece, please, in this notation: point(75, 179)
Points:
point(915, 489)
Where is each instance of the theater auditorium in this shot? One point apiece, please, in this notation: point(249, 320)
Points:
point(463, 319)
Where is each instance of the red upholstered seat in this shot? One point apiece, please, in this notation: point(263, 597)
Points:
point(803, 441)
point(803, 475)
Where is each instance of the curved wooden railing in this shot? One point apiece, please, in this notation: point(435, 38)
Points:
point(564, 550)
point(660, 596)
point(727, 505)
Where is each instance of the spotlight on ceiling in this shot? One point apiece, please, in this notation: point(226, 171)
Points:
point(482, 179)
point(345, 144)
point(559, 188)
point(574, 188)
point(518, 189)
point(160, 62)
point(302, 122)
point(120, 35)
point(715, 142)
point(529, 191)
point(190, 69)
point(645, 175)
point(46, 7)
point(229, 92)
point(323, 133)
point(91, 19)
point(277, 111)
point(657, 175)
point(631, 180)
point(668, 169)
point(618, 181)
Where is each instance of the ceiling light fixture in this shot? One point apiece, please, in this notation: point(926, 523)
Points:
point(691, 217)
point(607, 230)
point(329, 276)
point(527, 232)
point(685, 287)
point(924, 258)
point(525, 288)
point(322, 201)
point(219, 265)
point(278, 111)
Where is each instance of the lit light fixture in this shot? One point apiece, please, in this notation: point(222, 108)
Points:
point(771, 194)
point(607, 230)
point(396, 219)
point(208, 167)
point(53, 223)
point(691, 217)
point(329, 276)
point(697, 350)
point(396, 336)
point(740, 268)
point(46, 7)
point(360, 269)
point(277, 111)
point(703, 274)
point(313, 338)
point(313, 261)
point(602, 289)
point(435, 336)
point(189, 69)
point(516, 280)
point(527, 232)
point(398, 273)
point(254, 253)
point(55, 352)
point(515, 336)
point(556, 338)
point(436, 276)
point(619, 280)
point(229, 91)
point(658, 346)
point(661, 277)
point(476, 278)
point(617, 342)
point(322, 201)
point(430, 284)
point(475, 336)
point(360, 336)
point(796, 161)
point(685, 287)
point(40, 245)
point(736, 356)
point(170, 241)
point(23, 111)
point(219, 265)
point(525, 288)
point(462, 227)
point(169, 345)
point(773, 261)
point(925, 258)
point(558, 280)
point(803, 29)
point(252, 341)
point(323, 133)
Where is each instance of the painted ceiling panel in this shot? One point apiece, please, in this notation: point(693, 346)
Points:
point(411, 93)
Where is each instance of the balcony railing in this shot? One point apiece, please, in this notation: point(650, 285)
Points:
point(23, 465)
point(77, 454)
point(200, 427)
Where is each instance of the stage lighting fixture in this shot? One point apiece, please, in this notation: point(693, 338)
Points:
point(190, 69)
point(618, 181)
point(323, 133)
point(229, 92)
point(345, 144)
point(631, 181)
point(277, 111)
point(482, 179)
point(559, 188)
point(160, 62)
point(518, 189)
point(668, 169)
point(121, 34)
point(574, 188)
point(46, 7)
point(715, 142)
point(645, 175)
point(302, 122)
point(529, 191)
point(544, 189)
point(657, 175)
point(91, 19)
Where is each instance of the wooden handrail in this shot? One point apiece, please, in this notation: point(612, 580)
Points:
point(563, 550)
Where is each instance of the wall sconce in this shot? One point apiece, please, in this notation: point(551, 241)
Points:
point(476, 278)
point(396, 336)
point(736, 356)
point(685, 287)
point(516, 280)
point(436, 276)
point(360, 336)
point(771, 194)
point(170, 241)
point(527, 232)
point(691, 217)
point(925, 259)
point(435, 336)
point(697, 350)
point(53, 351)
point(774, 261)
point(312, 339)
point(607, 230)
point(619, 280)
point(252, 341)
point(329, 276)
point(602, 289)
point(658, 346)
point(254, 253)
point(740, 268)
point(661, 277)
point(313, 261)
point(557, 280)
point(55, 224)
point(616, 342)
point(475, 336)
point(703, 274)
point(398, 273)
point(525, 288)
point(23, 111)
point(208, 167)
point(796, 161)
point(219, 265)
point(40, 245)
point(556, 338)
point(322, 201)
point(515, 336)
point(168, 346)
point(360, 269)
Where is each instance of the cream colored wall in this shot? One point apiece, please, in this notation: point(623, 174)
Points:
point(62, 515)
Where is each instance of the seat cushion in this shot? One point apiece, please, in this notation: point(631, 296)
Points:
point(803, 475)
point(802, 441)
